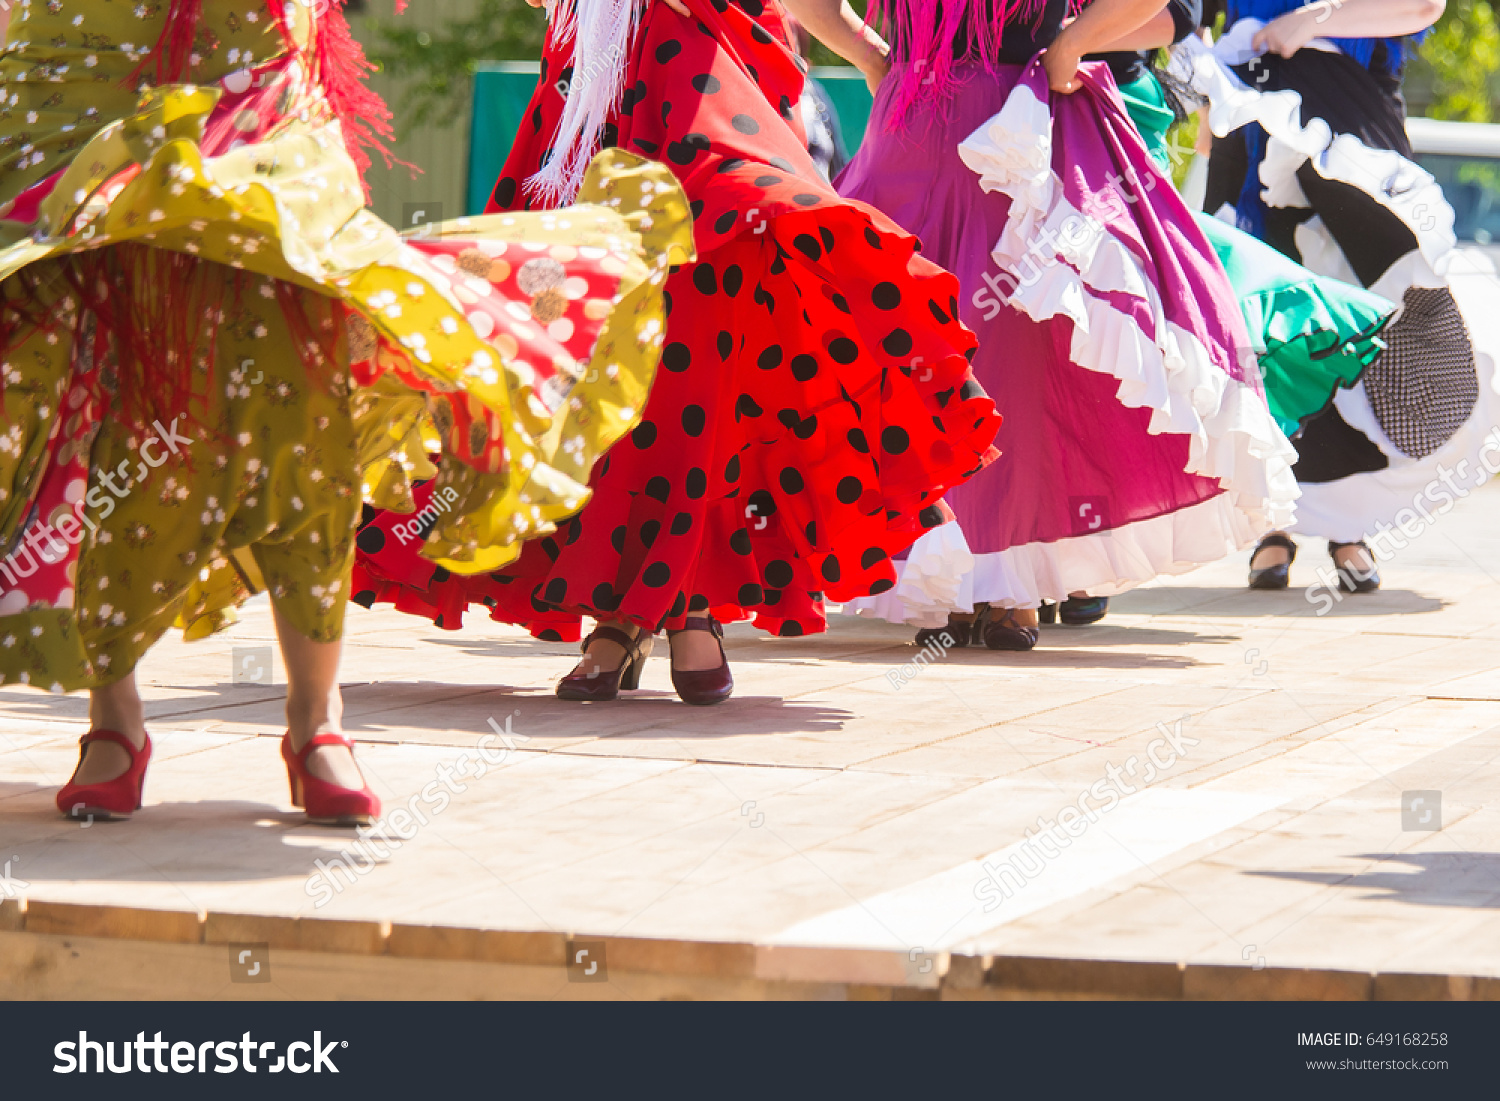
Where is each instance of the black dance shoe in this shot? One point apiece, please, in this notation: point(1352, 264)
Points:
point(1080, 611)
point(1278, 576)
point(703, 686)
point(1352, 580)
point(962, 632)
point(1002, 632)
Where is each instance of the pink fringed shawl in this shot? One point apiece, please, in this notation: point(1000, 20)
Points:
point(922, 33)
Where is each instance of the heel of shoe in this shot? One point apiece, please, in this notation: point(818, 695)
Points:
point(630, 677)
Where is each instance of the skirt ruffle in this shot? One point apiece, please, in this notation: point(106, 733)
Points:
point(1398, 485)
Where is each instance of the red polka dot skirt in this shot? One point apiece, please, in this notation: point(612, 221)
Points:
point(814, 400)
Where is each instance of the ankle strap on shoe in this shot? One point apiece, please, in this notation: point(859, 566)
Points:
point(630, 644)
point(111, 736)
point(328, 737)
point(701, 623)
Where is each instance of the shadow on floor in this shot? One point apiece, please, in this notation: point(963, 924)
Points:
point(1241, 603)
point(1466, 879)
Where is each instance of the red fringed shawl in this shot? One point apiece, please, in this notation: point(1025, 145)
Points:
point(338, 64)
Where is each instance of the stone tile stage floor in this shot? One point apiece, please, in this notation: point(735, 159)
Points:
point(825, 807)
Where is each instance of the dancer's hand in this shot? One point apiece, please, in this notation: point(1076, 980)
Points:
point(1286, 34)
point(1061, 64)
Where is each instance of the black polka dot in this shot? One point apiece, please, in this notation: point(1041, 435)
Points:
point(682, 523)
point(658, 488)
point(617, 539)
point(705, 279)
point(843, 350)
point(806, 200)
point(440, 575)
point(746, 407)
point(657, 574)
point(505, 192)
point(840, 302)
point(970, 390)
point(667, 51)
point(696, 483)
point(761, 35)
point(649, 531)
point(550, 548)
point(808, 245)
point(683, 152)
point(930, 517)
point(779, 574)
point(767, 181)
point(365, 598)
point(739, 542)
point(679, 605)
point(937, 312)
point(644, 435)
point(886, 296)
point(556, 591)
point(732, 280)
point(745, 124)
point(725, 344)
point(849, 489)
point(575, 529)
point(725, 222)
point(749, 595)
point(371, 540)
point(895, 439)
point(706, 83)
point(547, 634)
point(610, 136)
point(647, 147)
point(731, 164)
point(856, 438)
point(873, 239)
point(693, 420)
point(831, 570)
point(760, 506)
point(791, 480)
point(881, 585)
point(811, 531)
point(732, 469)
point(897, 343)
point(873, 556)
point(804, 367)
point(604, 598)
point(790, 629)
point(676, 357)
point(827, 235)
point(770, 358)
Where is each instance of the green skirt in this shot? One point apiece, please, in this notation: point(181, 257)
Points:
point(1312, 335)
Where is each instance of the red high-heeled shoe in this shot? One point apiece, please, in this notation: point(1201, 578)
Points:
point(326, 804)
point(109, 799)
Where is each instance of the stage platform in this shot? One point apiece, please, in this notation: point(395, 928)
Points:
point(840, 829)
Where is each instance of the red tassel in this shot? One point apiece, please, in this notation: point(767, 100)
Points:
point(174, 51)
point(341, 67)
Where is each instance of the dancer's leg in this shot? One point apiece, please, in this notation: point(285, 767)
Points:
point(313, 702)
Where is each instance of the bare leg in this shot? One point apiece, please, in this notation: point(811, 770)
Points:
point(115, 707)
point(313, 703)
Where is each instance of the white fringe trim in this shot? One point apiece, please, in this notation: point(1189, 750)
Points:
point(602, 31)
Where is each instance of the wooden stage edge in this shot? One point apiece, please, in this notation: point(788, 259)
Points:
point(61, 951)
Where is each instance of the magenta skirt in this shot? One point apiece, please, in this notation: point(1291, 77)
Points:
point(1137, 441)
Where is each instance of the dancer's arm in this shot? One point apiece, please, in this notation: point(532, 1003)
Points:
point(839, 27)
point(1153, 34)
point(1287, 34)
point(1100, 25)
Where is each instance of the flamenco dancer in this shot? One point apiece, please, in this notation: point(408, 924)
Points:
point(815, 401)
point(209, 348)
point(1311, 154)
point(1136, 442)
point(1311, 334)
